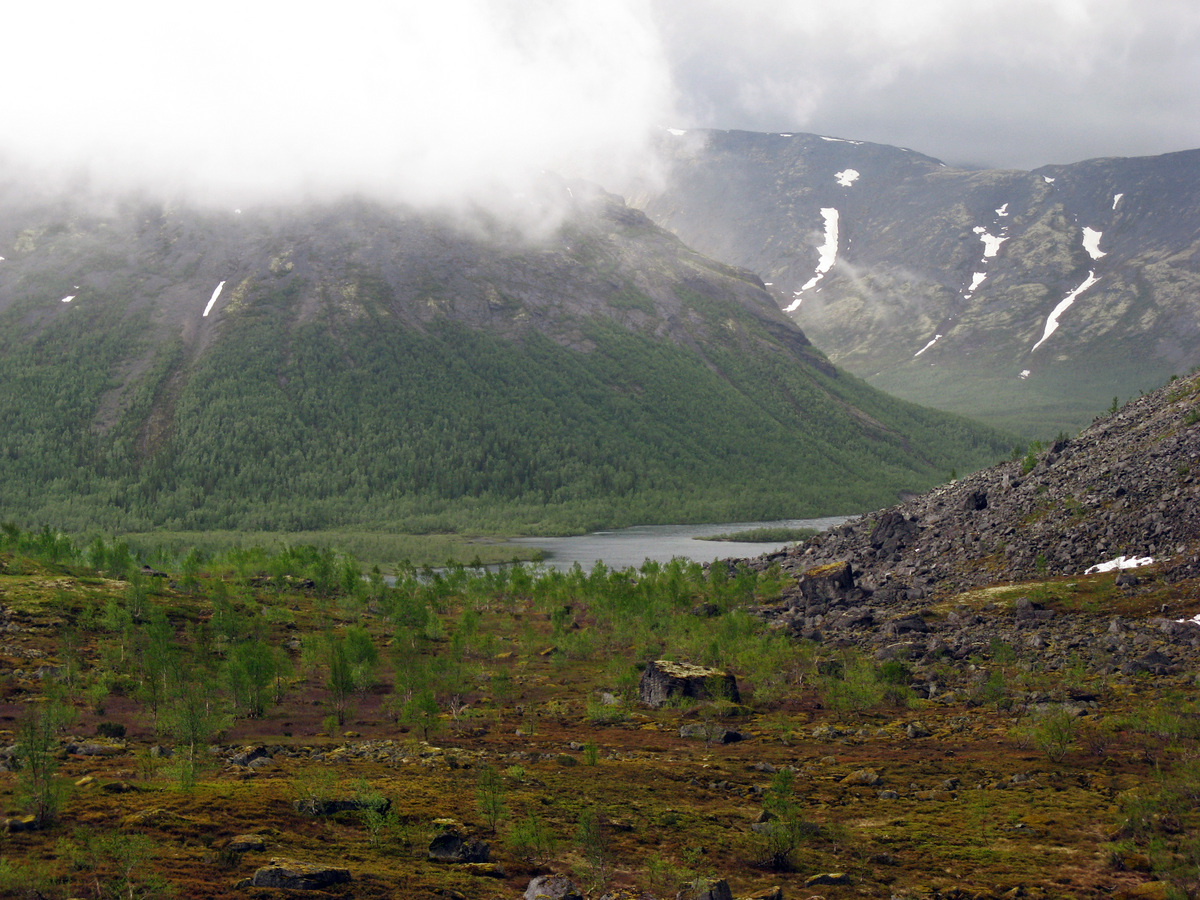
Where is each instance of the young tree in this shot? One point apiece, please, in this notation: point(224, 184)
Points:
point(194, 718)
point(490, 794)
point(352, 659)
point(252, 669)
point(37, 744)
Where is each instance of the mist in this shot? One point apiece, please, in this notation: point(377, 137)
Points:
point(234, 103)
point(469, 101)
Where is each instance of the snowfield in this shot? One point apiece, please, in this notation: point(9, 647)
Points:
point(828, 255)
point(1063, 306)
point(213, 299)
point(1121, 562)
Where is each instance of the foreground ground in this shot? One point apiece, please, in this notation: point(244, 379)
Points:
point(153, 720)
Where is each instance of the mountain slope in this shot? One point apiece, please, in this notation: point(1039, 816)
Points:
point(1125, 487)
point(356, 364)
point(1029, 299)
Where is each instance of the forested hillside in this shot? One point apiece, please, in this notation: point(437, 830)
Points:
point(357, 365)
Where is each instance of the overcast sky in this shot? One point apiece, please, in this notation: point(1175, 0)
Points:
point(433, 100)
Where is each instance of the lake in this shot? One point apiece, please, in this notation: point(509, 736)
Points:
point(626, 547)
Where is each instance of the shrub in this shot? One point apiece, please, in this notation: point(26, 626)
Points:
point(1053, 733)
point(530, 839)
point(784, 830)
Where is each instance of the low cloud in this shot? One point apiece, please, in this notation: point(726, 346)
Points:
point(444, 103)
point(238, 102)
point(1017, 84)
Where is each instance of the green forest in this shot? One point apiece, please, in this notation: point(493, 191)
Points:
point(343, 421)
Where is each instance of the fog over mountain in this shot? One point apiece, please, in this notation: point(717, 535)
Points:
point(434, 103)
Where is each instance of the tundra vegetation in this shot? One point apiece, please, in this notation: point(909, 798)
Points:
point(169, 733)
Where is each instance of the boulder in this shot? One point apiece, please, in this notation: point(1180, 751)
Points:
point(315, 807)
point(246, 755)
point(975, 501)
point(664, 680)
point(451, 847)
point(713, 890)
point(298, 876)
point(892, 532)
point(244, 843)
point(713, 734)
point(827, 878)
point(552, 887)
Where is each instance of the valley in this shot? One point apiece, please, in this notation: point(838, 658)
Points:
point(1015, 715)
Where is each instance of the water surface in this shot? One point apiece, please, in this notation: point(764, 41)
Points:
point(625, 547)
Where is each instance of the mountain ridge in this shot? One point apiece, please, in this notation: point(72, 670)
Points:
point(945, 281)
point(357, 363)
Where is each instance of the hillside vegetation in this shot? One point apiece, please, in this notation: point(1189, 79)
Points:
point(371, 368)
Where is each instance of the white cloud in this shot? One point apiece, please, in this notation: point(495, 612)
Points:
point(425, 102)
point(1019, 83)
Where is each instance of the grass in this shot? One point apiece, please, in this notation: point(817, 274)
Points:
point(383, 549)
point(532, 676)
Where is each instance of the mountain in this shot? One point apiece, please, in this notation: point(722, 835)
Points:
point(1003, 557)
point(356, 363)
point(1026, 299)
point(1126, 486)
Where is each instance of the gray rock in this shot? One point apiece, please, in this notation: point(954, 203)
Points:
point(713, 890)
point(664, 680)
point(917, 730)
point(552, 887)
point(298, 876)
point(713, 734)
point(452, 847)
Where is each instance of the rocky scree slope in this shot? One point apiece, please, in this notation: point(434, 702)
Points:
point(912, 580)
point(1028, 299)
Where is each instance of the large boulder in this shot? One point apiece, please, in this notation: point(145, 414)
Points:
point(451, 847)
point(552, 887)
point(893, 532)
point(298, 876)
point(664, 680)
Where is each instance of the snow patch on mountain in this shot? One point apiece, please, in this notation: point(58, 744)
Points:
point(1091, 243)
point(1117, 199)
point(991, 243)
point(1121, 562)
point(1063, 306)
point(1047, 179)
point(828, 255)
point(1025, 373)
point(69, 298)
point(846, 177)
point(1003, 210)
point(936, 338)
point(213, 299)
point(977, 278)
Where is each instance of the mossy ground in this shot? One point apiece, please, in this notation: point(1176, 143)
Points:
point(979, 808)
